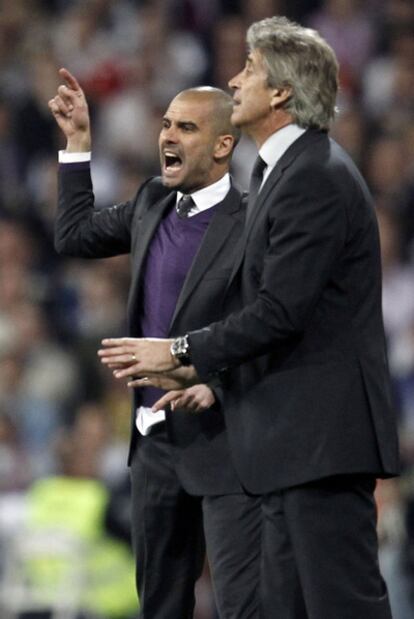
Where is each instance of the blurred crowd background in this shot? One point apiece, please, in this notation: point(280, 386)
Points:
point(64, 421)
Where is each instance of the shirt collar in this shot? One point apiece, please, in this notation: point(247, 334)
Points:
point(209, 196)
point(278, 143)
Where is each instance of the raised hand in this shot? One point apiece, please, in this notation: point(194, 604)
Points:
point(70, 109)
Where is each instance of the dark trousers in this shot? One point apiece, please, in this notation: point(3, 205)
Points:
point(318, 551)
point(166, 531)
point(233, 533)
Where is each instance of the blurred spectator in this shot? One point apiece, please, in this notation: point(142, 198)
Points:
point(101, 306)
point(36, 417)
point(39, 382)
point(86, 41)
point(398, 307)
point(349, 130)
point(36, 136)
point(348, 27)
point(50, 371)
point(254, 10)
point(398, 11)
point(392, 537)
point(385, 165)
point(229, 48)
point(10, 190)
point(388, 79)
point(14, 464)
point(70, 507)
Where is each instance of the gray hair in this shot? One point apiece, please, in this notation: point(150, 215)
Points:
point(298, 58)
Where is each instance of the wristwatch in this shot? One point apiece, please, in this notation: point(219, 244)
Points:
point(180, 350)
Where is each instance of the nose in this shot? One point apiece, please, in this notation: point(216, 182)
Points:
point(234, 82)
point(169, 134)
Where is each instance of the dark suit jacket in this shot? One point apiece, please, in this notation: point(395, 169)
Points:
point(307, 394)
point(201, 453)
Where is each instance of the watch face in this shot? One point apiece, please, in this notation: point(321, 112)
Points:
point(179, 346)
point(180, 350)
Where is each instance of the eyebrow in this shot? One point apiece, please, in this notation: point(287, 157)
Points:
point(182, 123)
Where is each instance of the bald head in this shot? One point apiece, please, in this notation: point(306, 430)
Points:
point(220, 104)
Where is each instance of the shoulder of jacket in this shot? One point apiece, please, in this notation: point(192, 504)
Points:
point(237, 189)
point(152, 190)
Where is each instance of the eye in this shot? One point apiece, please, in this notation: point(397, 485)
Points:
point(188, 127)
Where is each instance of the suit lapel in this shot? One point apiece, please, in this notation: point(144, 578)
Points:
point(272, 180)
point(216, 235)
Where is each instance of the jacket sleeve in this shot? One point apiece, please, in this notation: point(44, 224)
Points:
point(83, 231)
point(307, 230)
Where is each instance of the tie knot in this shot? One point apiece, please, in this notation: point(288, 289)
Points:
point(184, 206)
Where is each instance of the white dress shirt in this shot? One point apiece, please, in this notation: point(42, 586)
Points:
point(276, 145)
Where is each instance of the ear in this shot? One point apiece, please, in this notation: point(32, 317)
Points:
point(280, 96)
point(223, 146)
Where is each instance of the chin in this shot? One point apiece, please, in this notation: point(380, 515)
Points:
point(236, 118)
point(171, 183)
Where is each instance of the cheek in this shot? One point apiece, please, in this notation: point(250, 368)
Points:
point(250, 96)
point(257, 101)
point(199, 156)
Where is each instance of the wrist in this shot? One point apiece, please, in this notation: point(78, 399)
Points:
point(79, 144)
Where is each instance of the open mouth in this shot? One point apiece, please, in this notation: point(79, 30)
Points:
point(172, 161)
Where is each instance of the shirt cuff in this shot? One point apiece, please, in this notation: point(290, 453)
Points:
point(65, 157)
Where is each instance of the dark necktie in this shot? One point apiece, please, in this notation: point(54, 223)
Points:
point(184, 206)
point(255, 182)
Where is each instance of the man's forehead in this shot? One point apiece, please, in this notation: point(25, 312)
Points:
point(189, 108)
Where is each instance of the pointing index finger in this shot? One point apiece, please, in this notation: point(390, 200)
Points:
point(70, 79)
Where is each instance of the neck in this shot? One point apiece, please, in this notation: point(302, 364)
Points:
point(217, 174)
point(267, 128)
